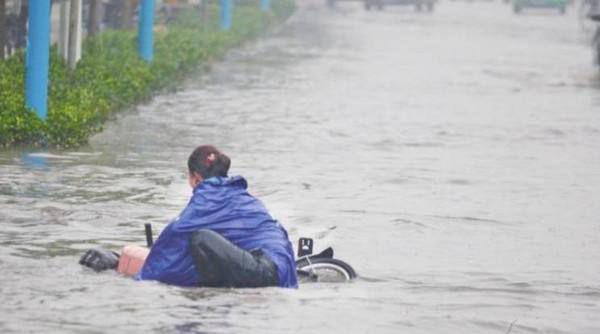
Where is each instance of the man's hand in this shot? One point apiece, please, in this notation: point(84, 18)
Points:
point(100, 259)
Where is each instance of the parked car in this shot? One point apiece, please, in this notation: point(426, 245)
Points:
point(596, 41)
point(585, 9)
point(419, 4)
point(561, 5)
point(331, 3)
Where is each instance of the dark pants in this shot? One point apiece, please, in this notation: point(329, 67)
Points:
point(222, 264)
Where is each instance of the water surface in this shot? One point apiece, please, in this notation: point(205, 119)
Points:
point(453, 159)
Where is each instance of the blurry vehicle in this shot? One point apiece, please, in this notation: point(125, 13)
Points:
point(419, 4)
point(596, 41)
point(584, 12)
point(519, 5)
point(331, 3)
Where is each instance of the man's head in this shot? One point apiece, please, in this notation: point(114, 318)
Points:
point(206, 162)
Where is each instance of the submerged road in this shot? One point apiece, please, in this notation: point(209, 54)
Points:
point(452, 158)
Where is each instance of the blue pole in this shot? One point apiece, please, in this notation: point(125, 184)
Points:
point(34, 161)
point(146, 33)
point(38, 46)
point(226, 13)
point(264, 5)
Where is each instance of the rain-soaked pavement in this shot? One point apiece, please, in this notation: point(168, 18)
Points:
point(452, 158)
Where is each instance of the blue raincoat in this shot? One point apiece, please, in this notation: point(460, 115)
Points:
point(221, 204)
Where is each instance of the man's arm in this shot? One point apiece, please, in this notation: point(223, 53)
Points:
point(132, 260)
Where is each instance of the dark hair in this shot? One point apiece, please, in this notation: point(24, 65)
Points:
point(207, 161)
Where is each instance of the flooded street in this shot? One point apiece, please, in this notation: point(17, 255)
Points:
point(452, 158)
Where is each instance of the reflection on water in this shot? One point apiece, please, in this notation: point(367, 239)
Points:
point(452, 158)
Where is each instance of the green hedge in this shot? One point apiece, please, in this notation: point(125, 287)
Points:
point(111, 76)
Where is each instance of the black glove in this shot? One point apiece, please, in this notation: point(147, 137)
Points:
point(100, 259)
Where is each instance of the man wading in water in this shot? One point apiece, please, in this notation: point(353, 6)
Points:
point(223, 238)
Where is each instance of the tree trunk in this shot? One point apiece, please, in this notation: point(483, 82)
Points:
point(205, 9)
point(94, 18)
point(63, 29)
point(74, 33)
point(126, 11)
point(2, 28)
point(22, 25)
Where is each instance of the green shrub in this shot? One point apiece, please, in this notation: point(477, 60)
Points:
point(17, 123)
point(111, 76)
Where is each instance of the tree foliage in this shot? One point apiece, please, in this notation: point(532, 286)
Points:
point(111, 76)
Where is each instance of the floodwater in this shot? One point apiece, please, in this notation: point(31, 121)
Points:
point(452, 158)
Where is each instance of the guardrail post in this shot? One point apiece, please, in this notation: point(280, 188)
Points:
point(145, 30)
point(226, 14)
point(37, 62)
